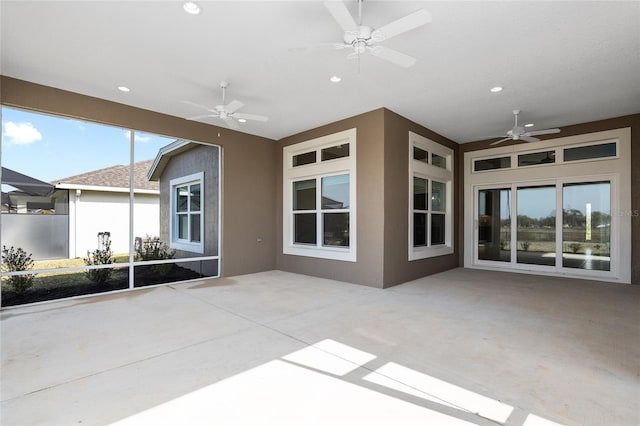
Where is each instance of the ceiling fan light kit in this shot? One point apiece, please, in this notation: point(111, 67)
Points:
point(518, 133)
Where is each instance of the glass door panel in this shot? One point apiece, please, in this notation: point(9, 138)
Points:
point(494, 224)
point(536, 225)
point(586, 226)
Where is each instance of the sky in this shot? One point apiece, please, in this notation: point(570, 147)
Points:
point(48, 147)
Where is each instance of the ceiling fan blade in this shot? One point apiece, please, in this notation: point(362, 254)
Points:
point(402, 25)
point(233, 106)
point(251, 117)
point(528, 138)
point(341, 14)
point(198, 117)
point(199, 106)
point(394, 56)
point(500, 141)
point(542, 132)
point(335, 46)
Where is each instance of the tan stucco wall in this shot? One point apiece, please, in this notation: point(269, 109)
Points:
point(248, 201)
point(368, 269)
point(382, 205)
point(397, 267)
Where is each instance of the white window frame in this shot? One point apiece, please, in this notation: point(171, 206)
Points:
point(318, 170)
point(175, 242)
point(432, 173)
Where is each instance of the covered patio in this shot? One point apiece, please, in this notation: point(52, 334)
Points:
point(276, 348)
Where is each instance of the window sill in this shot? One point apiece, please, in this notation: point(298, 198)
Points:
point(190, 247)
point(418, 253)
point(345, 255)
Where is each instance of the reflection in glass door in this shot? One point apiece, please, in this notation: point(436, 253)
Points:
point(494, 224)
point(536, 225)
point(586, 225)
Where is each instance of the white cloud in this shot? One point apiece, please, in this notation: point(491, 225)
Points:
point(21, 133)
point(138, 137)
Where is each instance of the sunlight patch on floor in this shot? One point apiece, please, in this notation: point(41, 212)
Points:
point(533, 420)
point(282, 394)
point(306, 387)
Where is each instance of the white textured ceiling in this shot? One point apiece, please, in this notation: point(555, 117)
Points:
point(561, 63)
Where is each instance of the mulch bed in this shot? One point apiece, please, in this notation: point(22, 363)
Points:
point(144, 276)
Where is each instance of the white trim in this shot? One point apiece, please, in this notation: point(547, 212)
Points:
point(175, 242)
point(220, 207)
point(154, 172)
point(105, 188)
point(431, 173)
point(616, 169)
point(318, 170)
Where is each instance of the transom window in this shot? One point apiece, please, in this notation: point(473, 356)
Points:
point(319, 197)
point(583, 152)
point(430, 210)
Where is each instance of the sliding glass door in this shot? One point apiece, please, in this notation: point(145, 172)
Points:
point(557, 225)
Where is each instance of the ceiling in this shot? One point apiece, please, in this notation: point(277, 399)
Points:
point(561, 63)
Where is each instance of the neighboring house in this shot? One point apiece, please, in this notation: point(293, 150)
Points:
point(63, 218)
point(188, 175)
point(99, 202)
point(34, 216)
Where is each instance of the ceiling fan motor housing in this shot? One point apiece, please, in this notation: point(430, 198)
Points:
point(359, 37)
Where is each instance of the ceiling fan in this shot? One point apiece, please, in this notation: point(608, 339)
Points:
point(362, 38)
point(518, 132)
point(227, 113)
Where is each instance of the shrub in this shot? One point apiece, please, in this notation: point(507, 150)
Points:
point(151, 248)
point(525, 245)
point(14, 260)
point(101, 256)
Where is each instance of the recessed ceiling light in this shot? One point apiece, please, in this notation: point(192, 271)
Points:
point(191, 8)
point(335, 79)
point(496, 89)
point(529, 125)
point(124, 89)
point(242, 120)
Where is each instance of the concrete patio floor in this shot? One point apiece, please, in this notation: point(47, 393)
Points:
point(275, 348)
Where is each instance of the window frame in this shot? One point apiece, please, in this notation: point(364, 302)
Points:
point(319, 170)
point(431, 172)
point(175, 241)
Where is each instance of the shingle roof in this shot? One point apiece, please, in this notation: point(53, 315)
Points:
point(114, 177)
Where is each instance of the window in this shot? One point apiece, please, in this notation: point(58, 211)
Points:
point(491, 164)
point(590, 152)
point(319, 199)
point(536, 158)
point(438, 161)
point(430, 209)
point(116, 194)
point(187, 197)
